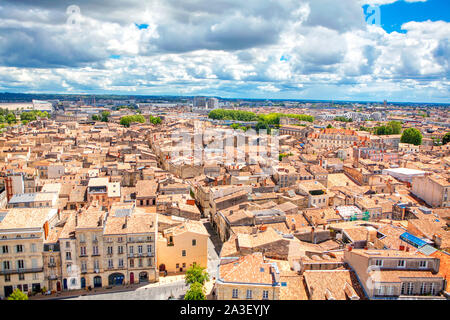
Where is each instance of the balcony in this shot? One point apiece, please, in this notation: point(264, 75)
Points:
point(52, 277)
point(51, 264)
point(13, 271)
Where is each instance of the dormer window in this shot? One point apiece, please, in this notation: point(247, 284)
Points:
point(401, 263)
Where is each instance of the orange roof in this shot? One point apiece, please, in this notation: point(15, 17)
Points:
point(444, 266)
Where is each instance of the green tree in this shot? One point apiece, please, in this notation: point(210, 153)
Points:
point(105, 115)
point(196, 273)
point(11, 118)
point(95, 117)
point(412, 136)
point(395, 126)
point(195, 292)
point(329, 126)
point(446, 138)
point(18, 295)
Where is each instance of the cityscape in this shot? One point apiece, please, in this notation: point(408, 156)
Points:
point(201, 180)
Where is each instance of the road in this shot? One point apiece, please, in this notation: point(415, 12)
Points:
point(162, 292)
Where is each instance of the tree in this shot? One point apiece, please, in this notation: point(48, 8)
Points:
point(127, 120)
point(11, 118)
point(18, 295)
point(329, 126)
point(411, 136)
point(195, 292)
point(446, 138)
point(196, 273)
point(105, 116)
point(395, 126)
point(95, 117)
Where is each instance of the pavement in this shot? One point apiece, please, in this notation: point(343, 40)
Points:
point(214, 247)
point(173, 290)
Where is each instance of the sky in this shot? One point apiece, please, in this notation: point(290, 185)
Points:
point(360, 50)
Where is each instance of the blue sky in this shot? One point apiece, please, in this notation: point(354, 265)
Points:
point(394, 15)
point(293, 49)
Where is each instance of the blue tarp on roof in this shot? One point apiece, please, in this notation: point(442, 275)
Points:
point(412, 240)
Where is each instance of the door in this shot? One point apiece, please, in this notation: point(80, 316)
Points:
point(97, 282)
point(58, 286)
point(8, 290)
point(143, 277)
point(65, 284)
point(131, 277)
point(83, 283)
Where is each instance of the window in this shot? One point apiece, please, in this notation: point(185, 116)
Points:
point(110, 263)
point(183, 253)
point(139, 249)
point(423, 264)
point(120, 263)
point(21, 276)
point(149, 248)
point(5, 249)
point(67, 244)
point(110, 250)
point(6, 265)
point(407, 288)
point(194, 242)
point(379, 263)
point(249, 294)
point(19, 248)
point(7, 277)
point(33, 247)
point(235, 293)
point(265, 295)
point(149, 262)
point(82, 238)
point(177, 265)
point(20, 264)
point(96, 264)
point(35, 276)
point(95, 250)
point(131, 249)
point(83, 266)
point(120, 249)
point(68, 256)
point(52, 260)
point(184, 265)
point(83, 251)
point(401, 263)
point(131, 263)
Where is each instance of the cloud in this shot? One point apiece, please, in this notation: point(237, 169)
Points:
point(305, 48)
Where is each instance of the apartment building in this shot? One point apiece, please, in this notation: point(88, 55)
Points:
point(394, 274)
point(182, 246)
point(250, 277)
point(22, 236)
point(337, 138)
point(103, 192)
point(286, 176)
point(316, 192)
point(89, 247)
point(34, 200)
point(434, 190)
point(130, 249)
